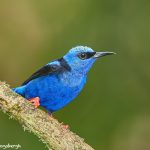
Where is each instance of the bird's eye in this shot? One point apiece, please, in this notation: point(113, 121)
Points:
point(82, 56)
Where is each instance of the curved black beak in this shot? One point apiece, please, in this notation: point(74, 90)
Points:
point(101, 54)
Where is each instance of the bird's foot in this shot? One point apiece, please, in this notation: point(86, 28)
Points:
point(65, 126)
point(62, 124)
point(35, 101)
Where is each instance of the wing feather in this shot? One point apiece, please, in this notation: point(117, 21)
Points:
point(45, 70)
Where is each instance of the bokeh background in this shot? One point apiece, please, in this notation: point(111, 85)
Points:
point(113, 110)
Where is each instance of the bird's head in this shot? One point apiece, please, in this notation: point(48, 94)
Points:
point(81, 58)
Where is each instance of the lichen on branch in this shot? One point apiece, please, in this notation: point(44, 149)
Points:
point(35, 120)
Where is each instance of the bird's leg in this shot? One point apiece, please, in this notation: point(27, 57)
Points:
point(50, 114)
point(35, 101)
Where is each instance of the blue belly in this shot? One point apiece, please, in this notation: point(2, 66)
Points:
point(53, 93)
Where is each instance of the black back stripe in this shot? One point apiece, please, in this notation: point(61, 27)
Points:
point(64, 64)
point(50, 69)
point(45, 70)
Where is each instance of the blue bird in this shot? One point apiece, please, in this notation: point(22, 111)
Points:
point(60, 81)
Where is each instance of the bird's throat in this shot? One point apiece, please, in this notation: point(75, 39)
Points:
point(72, 79)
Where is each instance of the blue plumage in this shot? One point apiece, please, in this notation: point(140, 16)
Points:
point(60, 81)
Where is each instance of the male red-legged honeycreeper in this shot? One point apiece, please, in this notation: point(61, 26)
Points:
point(60, 81)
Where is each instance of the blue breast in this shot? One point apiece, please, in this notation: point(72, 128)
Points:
point(55, 91)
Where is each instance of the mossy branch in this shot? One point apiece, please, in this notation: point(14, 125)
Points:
point(48, 129)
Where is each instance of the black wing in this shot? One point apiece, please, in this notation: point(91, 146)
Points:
point(45, 70)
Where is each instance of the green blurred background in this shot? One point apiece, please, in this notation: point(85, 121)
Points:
point(112, 112)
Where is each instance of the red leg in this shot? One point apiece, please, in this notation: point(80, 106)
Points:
point(35, 101)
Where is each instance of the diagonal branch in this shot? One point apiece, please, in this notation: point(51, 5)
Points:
point(48, 129)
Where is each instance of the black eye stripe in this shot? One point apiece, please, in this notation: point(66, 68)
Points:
point(86, 55)
point(90, 54)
